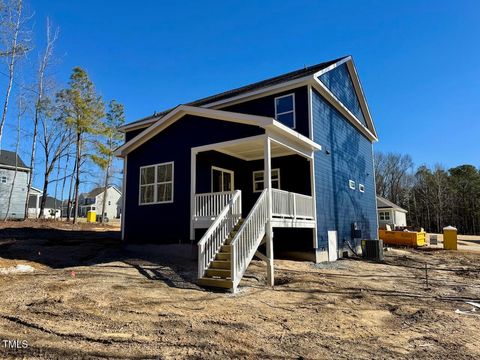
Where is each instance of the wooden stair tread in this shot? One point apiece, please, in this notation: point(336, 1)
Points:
point(222, 273)
point(219, 283)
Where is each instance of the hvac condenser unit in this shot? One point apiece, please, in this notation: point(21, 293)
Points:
point(372, 249)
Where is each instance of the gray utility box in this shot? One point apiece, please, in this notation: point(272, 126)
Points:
point(372, 249)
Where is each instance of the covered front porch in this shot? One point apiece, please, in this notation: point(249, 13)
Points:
point(240, 191)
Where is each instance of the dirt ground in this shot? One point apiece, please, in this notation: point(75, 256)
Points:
point(92, 297)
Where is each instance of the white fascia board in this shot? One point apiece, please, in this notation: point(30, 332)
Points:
point(8, 167)
point(269, 90)
point(331, 67)
point(182, 110)
point(332, 99)
point(361, 96)
point(278, 127)
point(304, 81)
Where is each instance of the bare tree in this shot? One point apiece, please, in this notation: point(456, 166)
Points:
point(12, 24)
point(44, 63)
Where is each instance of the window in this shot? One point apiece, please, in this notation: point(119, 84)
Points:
point(222, 179)
point(384, 215)
point(361, 187)
point(258, 180)
point(3, 179)
point(156, 184)
point(285, 110)
point(109, 203)
point(351, 184)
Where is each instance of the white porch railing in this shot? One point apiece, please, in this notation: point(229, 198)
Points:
point(292, 205)
point(248, 238)
point(215, 236)
point(209, 205)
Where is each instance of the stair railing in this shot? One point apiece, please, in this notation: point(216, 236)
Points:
point(248, 238)
point(216, 234)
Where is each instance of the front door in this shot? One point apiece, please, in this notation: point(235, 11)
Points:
point(222, 179)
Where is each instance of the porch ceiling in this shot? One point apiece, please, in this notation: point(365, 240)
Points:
point(254, 149)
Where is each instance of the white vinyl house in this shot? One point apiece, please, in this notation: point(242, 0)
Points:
point(94, 201)
point(390, 213)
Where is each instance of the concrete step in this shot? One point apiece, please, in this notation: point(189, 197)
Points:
point(220, 264)
point(222, 273)
point(223, 256)
point(218, 283)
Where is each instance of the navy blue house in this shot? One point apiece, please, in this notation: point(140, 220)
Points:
point(284, 164)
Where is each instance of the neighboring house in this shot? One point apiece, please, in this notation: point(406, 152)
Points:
point(94, 201)
point(9, 161)
point(52, 209)
point(390, 213)
point(293, 153)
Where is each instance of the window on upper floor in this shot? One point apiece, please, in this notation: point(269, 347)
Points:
point(361, 187)
point(351, 184)
point(156, 184)
point(3, 179)
point(285, 110)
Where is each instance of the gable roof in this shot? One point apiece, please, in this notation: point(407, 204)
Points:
point(10, 159)
point(383, 203)
point(303, 77)
point(261, 121)
point(293, 75)
point(97, 191)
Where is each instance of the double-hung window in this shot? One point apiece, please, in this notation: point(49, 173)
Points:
point(258, 180)
point(3, 179)
point(156, 184)
point(285, 110)
point(384, 215)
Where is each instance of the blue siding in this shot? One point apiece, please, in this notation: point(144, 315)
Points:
point(340, 84)
point(265, 106)
point(346, 155)
point(167, 223)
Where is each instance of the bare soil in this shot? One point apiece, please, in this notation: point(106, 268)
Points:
point(92, 297)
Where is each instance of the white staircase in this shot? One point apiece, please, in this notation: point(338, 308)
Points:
point(230, 243)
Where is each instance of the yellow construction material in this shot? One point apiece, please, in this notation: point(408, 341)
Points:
point(91, 216)
point(403, 238)
point(450, 238)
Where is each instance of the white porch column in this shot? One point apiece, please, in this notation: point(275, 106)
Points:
point(267, 178)
point(313, 193)
point(193, 189)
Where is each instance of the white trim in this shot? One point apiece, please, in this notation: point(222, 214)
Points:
point(193, 186)
point(314, 198)
point(231, 172)
point(361, 188)
point(155, 184)
point(337, 104)
point(292, 95)
point(258, 181)
point(331, 67)
point(182, 110)
point(18, 168)
point(310, 112)
point(270, 90)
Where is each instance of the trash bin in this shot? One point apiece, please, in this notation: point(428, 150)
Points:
point(450, 238)
point(91, 216)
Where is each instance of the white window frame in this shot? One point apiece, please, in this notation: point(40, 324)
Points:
point(286, 112)
point(383, 217)
point(263, 180)
point(351, 184)
point(361, 188)
point(222, 170)
point(3, 179)
point(155, 184)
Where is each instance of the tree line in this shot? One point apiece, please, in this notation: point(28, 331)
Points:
point(69, 131)
point(434, 197)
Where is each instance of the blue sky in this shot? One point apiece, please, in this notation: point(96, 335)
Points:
point(417, 60)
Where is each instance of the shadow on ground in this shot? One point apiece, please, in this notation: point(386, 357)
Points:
point(174, 264)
